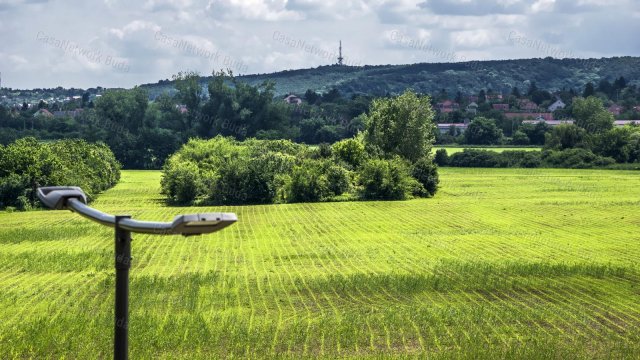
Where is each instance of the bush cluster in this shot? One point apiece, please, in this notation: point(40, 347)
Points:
point(27, 164)
point(568, 158)
point(224, 171)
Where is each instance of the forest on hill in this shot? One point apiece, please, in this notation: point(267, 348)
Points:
point(467, 77)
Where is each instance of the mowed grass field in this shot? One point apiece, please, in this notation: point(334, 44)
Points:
point(502, 263)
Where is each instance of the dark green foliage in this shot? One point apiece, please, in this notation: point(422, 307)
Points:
point(442, 157)
point(615, 143)
point(483, 131)
point(13, 190)
point(27, 164)
point(474, 158)
point(490, 159)
point(570, 158)
point(575, 158)
point(386, 180)
point(520, 138)
point(426, 172)
point(535, 133)
point(566, 136)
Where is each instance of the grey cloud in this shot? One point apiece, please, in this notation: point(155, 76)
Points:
point(473, 7)
point(243, 31)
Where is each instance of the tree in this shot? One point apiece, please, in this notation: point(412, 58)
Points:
point(591, 115)
point(483, 131)
point(124, 108)
point(482, 97)
point(605, 87)
point(85, 99)
point(311, 97)
point(614, 143)
point(332, 95)
point(190, 94)
point(402, 125)
point(589, 90)
point(533, 88)
point(350, 151)
point(566, 136)
point(520, 138)
point(536, 133)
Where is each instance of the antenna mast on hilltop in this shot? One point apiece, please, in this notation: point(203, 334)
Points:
point(340, 58)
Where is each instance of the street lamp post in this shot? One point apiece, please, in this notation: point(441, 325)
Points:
point(74, 199)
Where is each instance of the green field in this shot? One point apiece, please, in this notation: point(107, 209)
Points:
point(456, 149)
point(501, 263)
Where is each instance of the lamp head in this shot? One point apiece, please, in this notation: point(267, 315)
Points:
point(55, 197)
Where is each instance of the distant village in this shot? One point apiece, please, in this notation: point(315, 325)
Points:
point(56, 102)
point(454, 115)
point(523, 109)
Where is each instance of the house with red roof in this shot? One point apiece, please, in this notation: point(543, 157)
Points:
point(501, 107)
point(447, 106)
point(43, 113)
point(527, 105)
point(615, 109)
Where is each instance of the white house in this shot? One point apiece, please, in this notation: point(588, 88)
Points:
point(559, 104)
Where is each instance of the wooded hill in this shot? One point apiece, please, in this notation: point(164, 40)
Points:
point(466, 77)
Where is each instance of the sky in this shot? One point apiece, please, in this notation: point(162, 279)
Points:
point(123, 43)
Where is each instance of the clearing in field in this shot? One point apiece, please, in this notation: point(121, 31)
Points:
point(501, 263)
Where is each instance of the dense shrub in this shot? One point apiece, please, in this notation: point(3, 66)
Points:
point(350, 151)
point(227, 171)
point(474, 158)
point(183, 183)
point(491, 159)
point(575, 159)
point(28, 164)
point(570, 158)
point(520, 138)
point(442, 157)
point(386, 180)
point(426, 172)
point(309, 182)
point(339, 179)
point(519, 158)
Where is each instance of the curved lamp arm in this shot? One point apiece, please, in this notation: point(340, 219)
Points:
point(74, 199)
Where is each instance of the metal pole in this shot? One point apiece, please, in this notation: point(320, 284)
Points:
point(122, 264)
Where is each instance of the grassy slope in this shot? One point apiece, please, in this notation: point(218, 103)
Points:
point(502, 262)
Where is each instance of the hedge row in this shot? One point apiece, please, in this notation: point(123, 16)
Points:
point(223, 171)
point(570, 159)
point(27, 164)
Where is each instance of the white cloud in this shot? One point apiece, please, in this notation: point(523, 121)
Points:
point(474, 38)
point(243, 31)
point(269, 10)
point(543, 6)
